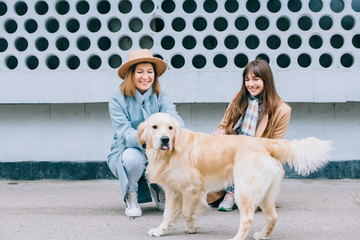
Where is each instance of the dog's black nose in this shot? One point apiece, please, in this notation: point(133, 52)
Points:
point(164, 140)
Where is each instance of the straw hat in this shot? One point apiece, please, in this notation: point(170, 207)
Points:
point(142, 55)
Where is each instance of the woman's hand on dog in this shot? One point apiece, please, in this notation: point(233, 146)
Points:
point(218, 132)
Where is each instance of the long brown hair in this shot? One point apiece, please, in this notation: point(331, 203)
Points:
point(127, 87)
point(259, 68)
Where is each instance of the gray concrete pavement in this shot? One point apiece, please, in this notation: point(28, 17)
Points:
point(309, 209)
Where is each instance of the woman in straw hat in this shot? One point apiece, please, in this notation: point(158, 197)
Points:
point(139, 97)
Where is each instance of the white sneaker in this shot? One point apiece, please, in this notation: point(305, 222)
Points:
point(132, 206)
point(158, 197)
point(228, 204)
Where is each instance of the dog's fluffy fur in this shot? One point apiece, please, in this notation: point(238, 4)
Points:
point(190, 164)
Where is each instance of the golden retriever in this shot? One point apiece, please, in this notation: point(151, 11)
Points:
point(190, 164)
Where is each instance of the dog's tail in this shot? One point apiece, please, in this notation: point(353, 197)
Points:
point(305, 156)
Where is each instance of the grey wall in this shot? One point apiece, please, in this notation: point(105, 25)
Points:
point(83, 132)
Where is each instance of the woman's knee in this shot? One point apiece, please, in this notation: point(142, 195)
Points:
point(133, 159)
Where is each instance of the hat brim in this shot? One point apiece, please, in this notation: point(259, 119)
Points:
point(159, 63)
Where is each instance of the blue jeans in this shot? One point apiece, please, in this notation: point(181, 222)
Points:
point(133, 161)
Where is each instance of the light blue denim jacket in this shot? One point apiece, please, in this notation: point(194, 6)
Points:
point(126, 114)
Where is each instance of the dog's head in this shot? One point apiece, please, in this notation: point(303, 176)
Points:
point(159, 132)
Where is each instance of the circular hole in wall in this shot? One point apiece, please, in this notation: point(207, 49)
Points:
point(325, 22)
point(356, 41)
point(3, 8)
point(231, 42)
point(315, 41)
point(52, 62)
point(315, 5)
point(83, 43)
point(82, 7)
point(273, 42)
point(177, 61)
point(199, 61)
point(210, 6)
point(355, 4)
point(262, 23)
point(52, 25)
point(252, 42)
point(62, 43)
point(220, 60)
point(103, 7)
point(199, 24)
point(337, 5)
point(31, 26)
point(168, 6)
point(347, 60)
point(21, 8)
point(73, 62)
point(304, 60)
point(21, 44)
point(241, 60)
point(241, 23)
point(32, 62)
point(283, 23)
point(41, 44)
point(135, 24)
point(189, 42)
point(264, 57)
point(274, 6)
point(220, 24)
point(94, 25)
point(189, 6)
point(294, 41)
point(283, 61)
point(253, 6)
point(10, 26)
point(72, 25)
point(337, 41)
point(146, 42)
point(3, 44)
point(94, 62)
point(41, 7)
point(231, 6)
point(114, 25)
point(62, 7)
point(178, 24)
point(11, 62)
point(167, 42)
point(147, 6)
point(157, 24)
point(305, 23)
point(210, 42)
point(325, 60)
point(125, 6)
point(125, 43)
point(115, 61)
point(104, 43)
point(348, 22)
point(294, 5)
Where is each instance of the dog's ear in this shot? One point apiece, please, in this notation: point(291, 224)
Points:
point(179, 143)
point(141, 133)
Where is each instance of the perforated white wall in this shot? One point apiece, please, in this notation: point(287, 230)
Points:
point(59, 51)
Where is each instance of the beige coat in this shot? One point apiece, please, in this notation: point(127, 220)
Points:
point(279, 123)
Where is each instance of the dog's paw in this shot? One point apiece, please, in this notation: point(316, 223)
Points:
point(259, 236)
point(156, 232)
point(191, 230)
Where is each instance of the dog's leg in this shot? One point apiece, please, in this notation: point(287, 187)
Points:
point(271, 218)
point(268, 203)
point(191, 202)
point(247, 210)
point(171, 212)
